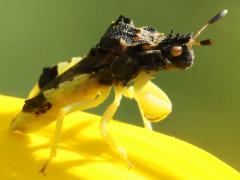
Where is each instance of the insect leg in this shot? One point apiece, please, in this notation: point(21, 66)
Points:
point(132, 92)
point(108, 114)
point(153, 103)
point(66, 110)
point(56, 139)
point(147, 124)
point(129, 93)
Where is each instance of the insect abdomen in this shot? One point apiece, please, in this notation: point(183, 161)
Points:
point(36, 113)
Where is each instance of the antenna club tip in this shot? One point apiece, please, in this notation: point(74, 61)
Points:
point(224, 12)
point(220, 15)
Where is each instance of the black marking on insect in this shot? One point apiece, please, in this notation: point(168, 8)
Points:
point(47, 76)
point(37, 105)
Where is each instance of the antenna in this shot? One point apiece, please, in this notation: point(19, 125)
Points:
point(214, 19)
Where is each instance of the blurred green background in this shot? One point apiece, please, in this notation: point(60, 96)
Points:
point(34, 34)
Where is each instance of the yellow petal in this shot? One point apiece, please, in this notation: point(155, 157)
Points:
point(83, 154)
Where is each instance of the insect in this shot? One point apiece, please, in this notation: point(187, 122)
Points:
point(124, 54)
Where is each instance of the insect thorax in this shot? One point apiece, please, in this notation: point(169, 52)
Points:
point(125, 50)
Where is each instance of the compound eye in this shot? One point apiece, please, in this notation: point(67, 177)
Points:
point(176, 51)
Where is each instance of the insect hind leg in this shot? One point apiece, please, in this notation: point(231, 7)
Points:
point(56, 139)
point(62, 113)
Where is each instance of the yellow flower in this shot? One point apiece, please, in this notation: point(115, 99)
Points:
point(83, 154)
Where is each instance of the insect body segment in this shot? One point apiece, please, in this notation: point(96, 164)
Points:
point(124, 54)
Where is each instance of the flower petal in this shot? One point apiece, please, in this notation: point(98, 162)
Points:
point(83, 154)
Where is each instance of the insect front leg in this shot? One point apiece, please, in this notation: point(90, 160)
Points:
point(129, 93)
point(132, 92)
point(108, 114)
point(153, 103)
point(147, 124)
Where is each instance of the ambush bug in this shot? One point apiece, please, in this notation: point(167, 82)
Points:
point(124, 54)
